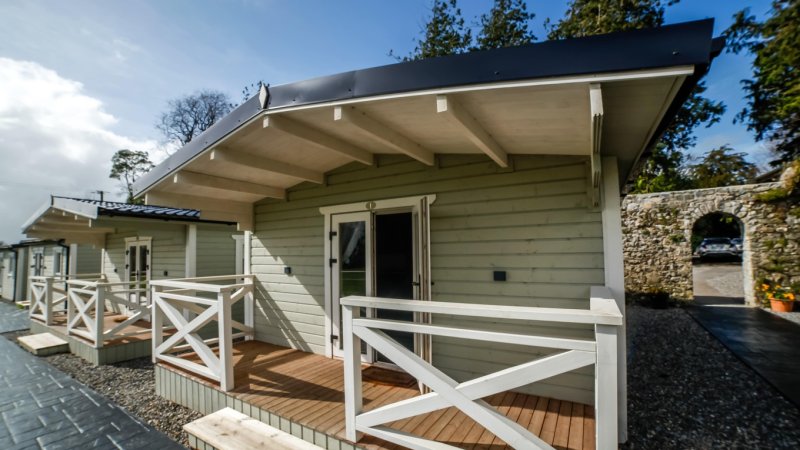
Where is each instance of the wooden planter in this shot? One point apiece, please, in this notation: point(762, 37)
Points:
point(781, 305)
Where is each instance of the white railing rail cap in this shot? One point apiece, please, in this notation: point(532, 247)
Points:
point(563, 315)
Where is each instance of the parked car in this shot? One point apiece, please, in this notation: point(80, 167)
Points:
point(717, 248)
point(737, 242)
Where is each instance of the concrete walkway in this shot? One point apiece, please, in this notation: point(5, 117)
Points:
point(767, 343)
point(12, 318)
point(42, 407)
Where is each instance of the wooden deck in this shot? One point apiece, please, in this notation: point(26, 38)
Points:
point(308, 389)
point(141, 328)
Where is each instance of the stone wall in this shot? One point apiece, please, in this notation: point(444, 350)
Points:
point(657, 231)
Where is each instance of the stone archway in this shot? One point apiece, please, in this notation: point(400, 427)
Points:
point(657, 231)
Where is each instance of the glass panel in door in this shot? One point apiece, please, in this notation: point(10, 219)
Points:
point(350, 264)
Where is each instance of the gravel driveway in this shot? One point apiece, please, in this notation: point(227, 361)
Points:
point(687, 391)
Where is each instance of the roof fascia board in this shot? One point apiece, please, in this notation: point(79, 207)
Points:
point(71, 206)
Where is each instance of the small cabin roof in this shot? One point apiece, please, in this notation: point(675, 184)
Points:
point(604, 95)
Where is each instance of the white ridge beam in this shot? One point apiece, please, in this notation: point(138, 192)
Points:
point(383, 133)
point(265, 165)
point(316, 137)
point(227, 184)
point(447, 104)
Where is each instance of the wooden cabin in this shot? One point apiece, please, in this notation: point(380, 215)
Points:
point(133, 244)
point(41, 257)
point(433, 248)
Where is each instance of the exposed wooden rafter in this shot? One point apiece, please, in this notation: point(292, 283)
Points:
point(381, 132)
point(52, 229)
point(210, 209)
point(227, 184)
point(449, 106)
point(317, 137)
point(262, 164)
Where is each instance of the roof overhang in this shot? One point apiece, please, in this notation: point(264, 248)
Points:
point(603, 95)
point(68, 220)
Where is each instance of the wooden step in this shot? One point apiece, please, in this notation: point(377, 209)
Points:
point(230, 429)
point(43, 344)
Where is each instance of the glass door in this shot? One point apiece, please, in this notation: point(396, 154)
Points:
point(351, 262)
point(138, 267)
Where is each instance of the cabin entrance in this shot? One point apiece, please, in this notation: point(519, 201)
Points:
point(137, 266)
point(380, 253)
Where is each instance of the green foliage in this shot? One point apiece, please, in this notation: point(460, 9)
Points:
point(506, 25)
point(590, 17)
point(773, 195)
point(722, 167)
point(127, 166)
point(665, 169)
point(187, 117)
point(444, 34)
point(773, 106)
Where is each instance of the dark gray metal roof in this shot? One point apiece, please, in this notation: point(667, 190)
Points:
point(684, 44)
point(126, 209)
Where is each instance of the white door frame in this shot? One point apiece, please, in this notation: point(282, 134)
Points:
point(411, 203)
point(139, 242)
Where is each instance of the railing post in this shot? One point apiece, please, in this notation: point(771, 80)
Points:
point(156, 321)
point(99, 313)
point(353, 400)
point(605, 387)
point(225, 341)
point(69, 305)
point(249, 312)
point(48, 301)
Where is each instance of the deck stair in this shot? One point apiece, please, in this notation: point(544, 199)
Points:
point(43, 344)
point(230, 429)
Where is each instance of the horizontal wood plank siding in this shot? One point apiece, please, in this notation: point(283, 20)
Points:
point(88, 259)
point(216, 250)
point(532, 221)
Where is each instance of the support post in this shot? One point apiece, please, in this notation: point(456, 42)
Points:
point(615, 278)
point(69, 304)
point(156, 322)
point(249, 301)
point(190, 260)
point(225, 341)
point(99, 315)
point(353, 399)
point(73, 260)
point(605, 387)
point(48, 301)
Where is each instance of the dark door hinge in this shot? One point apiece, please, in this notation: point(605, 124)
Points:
point(333, 261)
point(332, 235)
point(334, 338)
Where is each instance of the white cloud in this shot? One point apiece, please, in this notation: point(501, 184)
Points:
point(54, 139)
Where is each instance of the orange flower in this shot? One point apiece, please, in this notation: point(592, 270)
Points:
point(790, 296)
point(764, 287)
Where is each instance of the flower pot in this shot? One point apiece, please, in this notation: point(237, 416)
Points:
point(781, 305)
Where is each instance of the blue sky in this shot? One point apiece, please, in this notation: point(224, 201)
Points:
point(105, 69)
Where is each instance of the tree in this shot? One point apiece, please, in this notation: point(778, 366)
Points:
point(189, 116)
point(665, 170)
point(773, 94)
point(127, 166)
point(444, 34)
point(722, 167)
point(506, 25)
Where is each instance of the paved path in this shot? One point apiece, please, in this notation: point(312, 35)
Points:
point(767, 343)
point(42, 407)
point(12, 318)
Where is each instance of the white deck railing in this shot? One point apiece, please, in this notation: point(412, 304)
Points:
point(90, 299)
point(48, 293)
point(446, 392)
point(190, 304)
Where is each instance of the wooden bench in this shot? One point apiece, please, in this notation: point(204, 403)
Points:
point(230, 429)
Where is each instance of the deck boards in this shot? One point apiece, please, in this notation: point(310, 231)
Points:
point(308, 389)
point(141, 328)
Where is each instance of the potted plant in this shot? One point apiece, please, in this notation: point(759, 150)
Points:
point(781, 298)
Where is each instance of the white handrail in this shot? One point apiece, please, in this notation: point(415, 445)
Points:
point(87, 306)
point(178, 303)
point(603, 313)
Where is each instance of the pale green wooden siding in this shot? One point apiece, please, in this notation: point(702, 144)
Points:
point(88, 259)
point(532, 221)
point(167, 252)
point(216, 251)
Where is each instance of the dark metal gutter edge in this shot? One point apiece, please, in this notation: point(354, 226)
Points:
point(164, 218)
